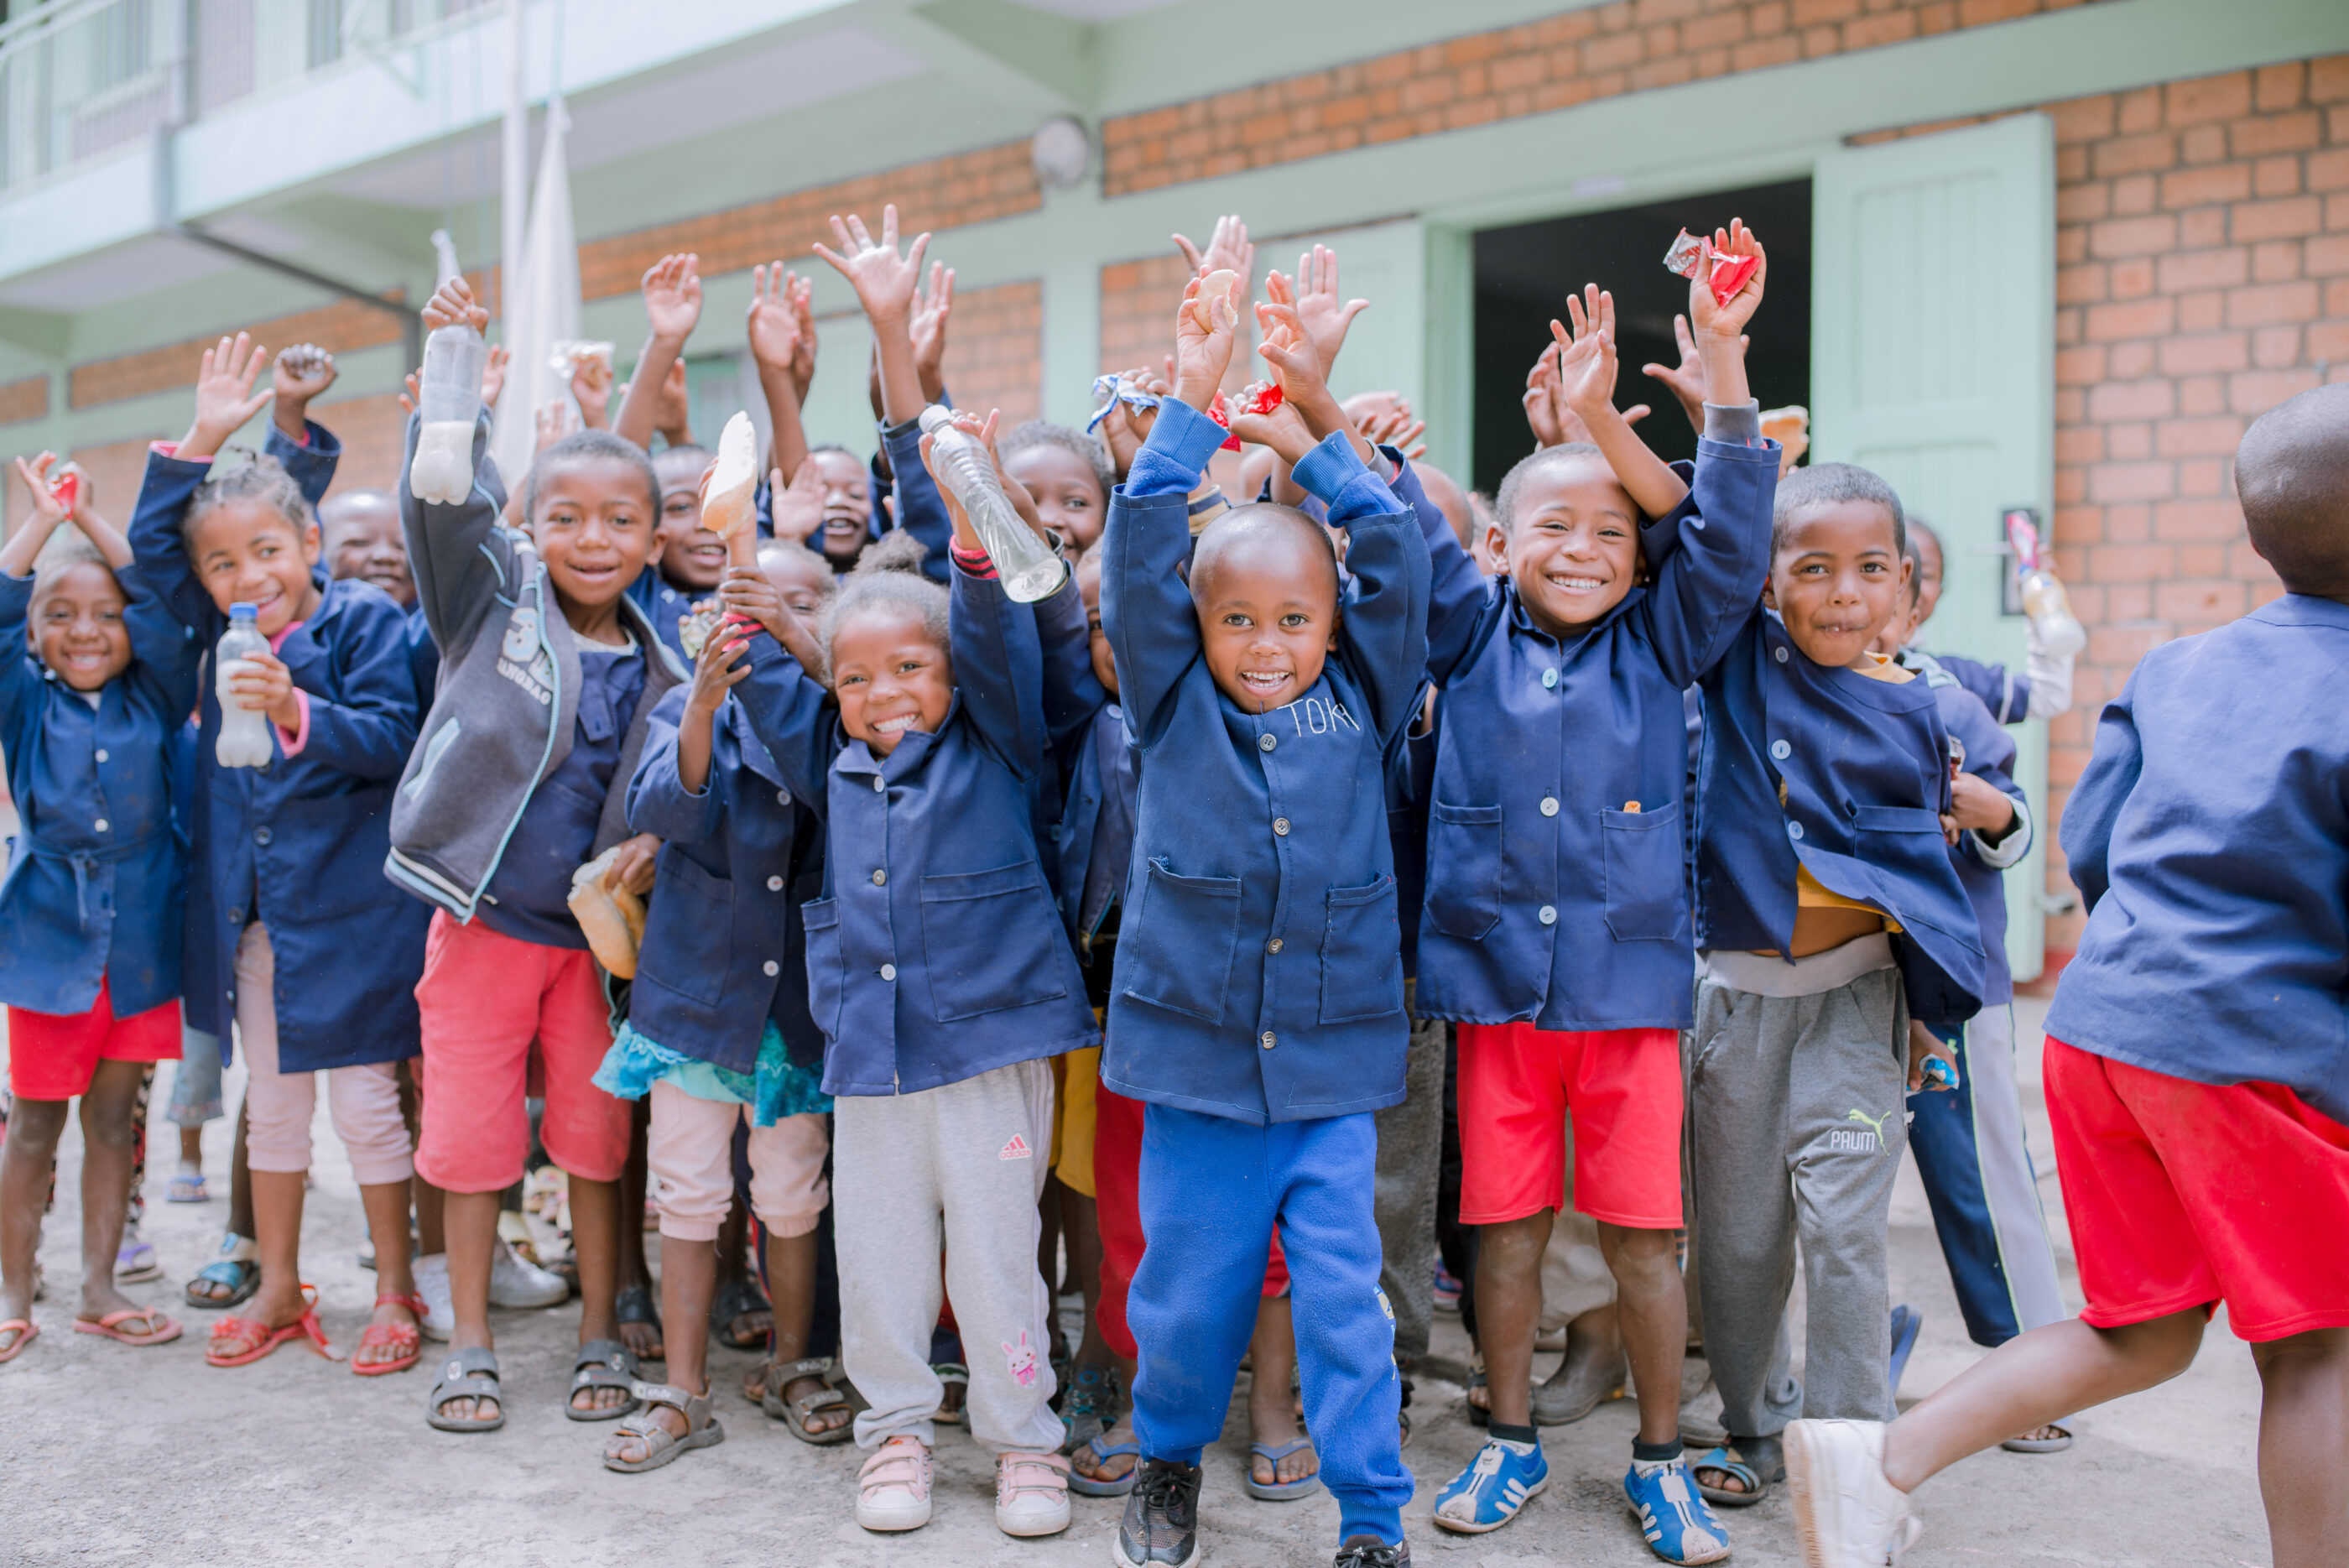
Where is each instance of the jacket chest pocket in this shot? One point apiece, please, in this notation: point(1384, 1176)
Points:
point(819, 919)
point(1640, 852)
point(689, 935)
point(1464, 869)
point(1178, 952)
point(326, 854)
point(990, 940)
point(1361, 954)
point(1900, 840)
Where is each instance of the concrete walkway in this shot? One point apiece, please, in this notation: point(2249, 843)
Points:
point(110, 1456)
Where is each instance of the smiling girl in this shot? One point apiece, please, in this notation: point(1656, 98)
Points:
point(291, 932)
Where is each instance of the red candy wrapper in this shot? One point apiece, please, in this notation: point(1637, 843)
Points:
point(66, 487)
point(1724, 275)
point(1258, 398)
point(1222, 415)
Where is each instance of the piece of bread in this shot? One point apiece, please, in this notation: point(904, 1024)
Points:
point(612, 918)
point(730, 486)
point(1216, 285)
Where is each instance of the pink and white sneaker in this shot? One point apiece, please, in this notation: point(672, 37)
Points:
point(893, 1488)
point(1031, 1494)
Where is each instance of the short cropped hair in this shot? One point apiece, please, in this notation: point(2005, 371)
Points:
point(1262, 517)
point(1042, 432)
point(263, 481)
point(1831, 485)
point(888, 576)
point(590, 446)
point(2291, 472)
point(1513, 483)
point(63, 551)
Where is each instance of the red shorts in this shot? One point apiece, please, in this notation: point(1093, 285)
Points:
point(54, 1055)
point(493, 1008)
point(2181, 1194)
point(1622, 1086)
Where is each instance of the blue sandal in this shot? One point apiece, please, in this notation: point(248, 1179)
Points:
point(236, 1269)
point(1677, 1526)
point(1277, 1489)
point(1767, 1454)
point(1084, 1485)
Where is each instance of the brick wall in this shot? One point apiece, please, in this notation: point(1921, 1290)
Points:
point(27, 399)
point(938, 193)
point(115, 470)
point(1596, 52)
point(339, 328)
point(994, 350)
point(374, 433)
point(2202, 278)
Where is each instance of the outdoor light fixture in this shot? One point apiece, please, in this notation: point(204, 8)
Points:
point(1060, 152)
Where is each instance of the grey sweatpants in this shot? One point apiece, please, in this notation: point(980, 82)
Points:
point(959, 1168)
point(1410, 1154)
point(1796, 1108)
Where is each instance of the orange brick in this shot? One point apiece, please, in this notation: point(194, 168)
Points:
point(2199, 187)
point(2148, 152)
point(2133, 236)
point(2207, 98)
point(2294, 217)
point(2275, 133)
point(25, 399)
point(2132, 400)
point(2261, 305)
point(2328, 79)
point(2109, 482)
point(2181, 271)
point(2205, 354)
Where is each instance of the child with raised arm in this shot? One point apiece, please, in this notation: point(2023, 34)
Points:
point(718, 1035)
point(548, 676)
point(1829, 916)
point(290, 934)
point(95, 680)
point(1555, 927)
point(2196, 1071)
point(1259, 1001)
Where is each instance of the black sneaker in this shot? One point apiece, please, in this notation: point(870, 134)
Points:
point(1161, 1517)
point(1370, 1552)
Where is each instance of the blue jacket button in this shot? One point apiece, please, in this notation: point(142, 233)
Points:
point(1794, 831)
point(1265, 742)
point(782, 797)
point(261, 837)
point(1779, 654)
point(888, 971)
point(774, 884)
point(880, 877)
point(1279, 826)
point(1267, 1039)
point(1781, 751)
point(770, 968)
point(1549, 679)
point(1549, 914)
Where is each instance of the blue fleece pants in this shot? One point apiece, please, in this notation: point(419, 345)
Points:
point(1211, 1190)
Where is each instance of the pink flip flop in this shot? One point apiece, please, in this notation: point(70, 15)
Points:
point(26, 1330)
point(163, 1330)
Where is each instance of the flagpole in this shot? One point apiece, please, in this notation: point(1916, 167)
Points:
point(516, 203)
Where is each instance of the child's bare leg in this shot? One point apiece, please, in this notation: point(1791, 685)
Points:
point(386, 1204)
point(1509, 1312)
point(791, 1283)
point(689, 1282)
point(432, 1206)
point(2304, 1447)
point(733, 1266)
point(192, 1148)
point(472, 1220)
point(26, 1157)
point(642, 1339)
point(1653, 1309)
point(1272, 1413)
point(595, 1225)
point(2031, 1380)
point(240, 1179)
point(277, 1216)
point(1080, 1218)
point(107, 1137)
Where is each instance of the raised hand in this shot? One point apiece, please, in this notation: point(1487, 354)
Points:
point(1124, 427)
point(453, 302)
point(1297, 368)
point(301, 373)
point(1686, 379)
point(672, 291)
point(224, 394)
point(969, 423)
point(556, 419)
point(1712, 318)
point(47, 513)
point(1315, 294)
point(1202, 353)
point(929, 331)
point(591, 384)
point(772, 326)
point(493, 374)
point(886, 282)
point(803, 295)
point(1228, 249)
point(1586, 361)
point(797, 508)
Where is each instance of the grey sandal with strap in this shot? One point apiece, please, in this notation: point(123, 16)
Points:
point(603, 1364)
point(661, 1444)
point(795, 1413)
point(470, 1374)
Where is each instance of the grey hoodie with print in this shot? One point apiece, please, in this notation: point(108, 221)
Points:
point(508, 700)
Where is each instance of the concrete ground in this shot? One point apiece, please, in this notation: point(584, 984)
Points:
point(110, 1455)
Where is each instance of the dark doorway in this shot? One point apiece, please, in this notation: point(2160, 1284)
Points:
point(1524, 273)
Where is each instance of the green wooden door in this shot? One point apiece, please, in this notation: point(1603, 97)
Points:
point(1933, 363)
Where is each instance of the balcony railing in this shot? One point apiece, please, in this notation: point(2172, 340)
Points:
point(80, 78)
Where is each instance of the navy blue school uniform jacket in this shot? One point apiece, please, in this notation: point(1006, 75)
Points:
point(664, 605)
point(2006, 693)
point(1259, 969)
point(1557, 887)
point(724, 950)
point(98, 869)
point(297, 844)
point(1865, 765)
point(2210, 836)
point(935, 953)
point(1981, 866)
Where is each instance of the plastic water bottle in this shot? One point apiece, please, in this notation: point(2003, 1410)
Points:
point(243, 739)
point(1025, 563)
point(449, 401)
point(2054, 627)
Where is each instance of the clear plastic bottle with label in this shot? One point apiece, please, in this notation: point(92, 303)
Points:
point(243, 740)
point(2054, 629)
point(1026, 564)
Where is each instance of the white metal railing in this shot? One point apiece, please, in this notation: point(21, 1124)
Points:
point(80, 79)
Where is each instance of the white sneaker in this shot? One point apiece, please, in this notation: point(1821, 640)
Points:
point(439, 1319)
point(515, 1283)
point(1846, 1514)
point(1031, 1494)
point(893, 1488)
